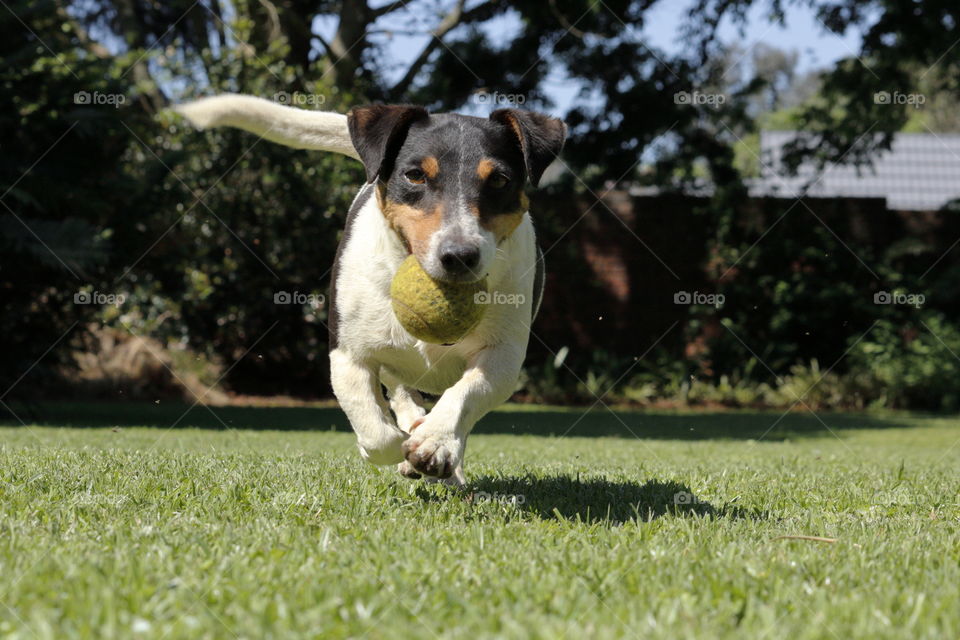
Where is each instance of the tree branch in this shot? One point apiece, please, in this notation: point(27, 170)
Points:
point(562, 19)
point(398, 32)
point(390, 8)
point(342, 62)
point(83, 37)
point(485, 11)
point(275, 32)
point(449, 21)
point(218, 14)
point(323, 43)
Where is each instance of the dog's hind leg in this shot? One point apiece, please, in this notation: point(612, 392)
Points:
point(406, 402)
point(407, 406)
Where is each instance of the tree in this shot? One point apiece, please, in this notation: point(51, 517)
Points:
point(199, 230)
point(899, 38)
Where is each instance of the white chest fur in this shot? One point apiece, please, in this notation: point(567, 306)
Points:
point(369, 331)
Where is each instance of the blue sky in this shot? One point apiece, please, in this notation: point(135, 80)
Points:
point(804, 33)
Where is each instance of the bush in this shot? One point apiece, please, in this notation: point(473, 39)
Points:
point(910, 365)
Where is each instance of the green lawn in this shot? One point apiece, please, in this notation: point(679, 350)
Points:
point(276, 528)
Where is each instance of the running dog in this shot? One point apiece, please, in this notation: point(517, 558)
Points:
point(449, 189)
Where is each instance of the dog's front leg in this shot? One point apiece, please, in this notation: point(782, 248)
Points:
point(436, 445)
point(357, 387)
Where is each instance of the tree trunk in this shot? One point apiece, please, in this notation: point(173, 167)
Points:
point(341, 66)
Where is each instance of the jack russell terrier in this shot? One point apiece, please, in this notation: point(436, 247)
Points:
point(448, 189)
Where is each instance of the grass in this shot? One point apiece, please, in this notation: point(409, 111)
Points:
point(129, 529)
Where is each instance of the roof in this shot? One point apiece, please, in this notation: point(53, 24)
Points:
point(920, 172)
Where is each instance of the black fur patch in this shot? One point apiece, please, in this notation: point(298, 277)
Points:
point(459, 144)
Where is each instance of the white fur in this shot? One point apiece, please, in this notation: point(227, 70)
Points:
point(297, 128)
point(471, 377)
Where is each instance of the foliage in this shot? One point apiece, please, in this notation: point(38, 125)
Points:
point(899, 38)
point(105, 192)
point(912, 365)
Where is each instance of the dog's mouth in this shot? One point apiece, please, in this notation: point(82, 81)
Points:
point(464, 278)
point(467, 278)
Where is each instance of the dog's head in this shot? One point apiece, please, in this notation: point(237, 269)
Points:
point(452, 186)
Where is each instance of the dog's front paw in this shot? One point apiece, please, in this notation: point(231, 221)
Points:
point(432, 451)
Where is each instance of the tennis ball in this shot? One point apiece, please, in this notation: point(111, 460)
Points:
point(432, 310)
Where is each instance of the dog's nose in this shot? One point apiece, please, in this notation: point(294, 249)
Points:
point(459, 258)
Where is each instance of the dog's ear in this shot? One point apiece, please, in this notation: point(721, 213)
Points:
point(541, 138)
point(378, 132)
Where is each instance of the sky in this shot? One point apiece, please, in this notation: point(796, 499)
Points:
point(804, 33)
point(817, 47)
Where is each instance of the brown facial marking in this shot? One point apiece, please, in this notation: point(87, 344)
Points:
point(430, 167)
point(415, 226)
point(485, 168)
point(501, 226)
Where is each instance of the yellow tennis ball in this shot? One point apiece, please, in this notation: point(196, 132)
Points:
point(432, 310)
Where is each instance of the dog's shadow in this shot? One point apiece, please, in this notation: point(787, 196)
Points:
point(596, 500)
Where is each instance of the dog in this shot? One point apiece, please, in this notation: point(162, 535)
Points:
point(450, 190)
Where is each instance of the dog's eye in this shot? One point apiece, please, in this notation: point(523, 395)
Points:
point(415, 176)
point(498, 181)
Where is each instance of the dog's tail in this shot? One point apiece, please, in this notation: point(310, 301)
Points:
point(297, 128)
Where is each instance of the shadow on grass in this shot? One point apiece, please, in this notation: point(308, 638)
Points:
point(549, 422)
point(661, 425)
point(178, 414)
point(597, 499)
